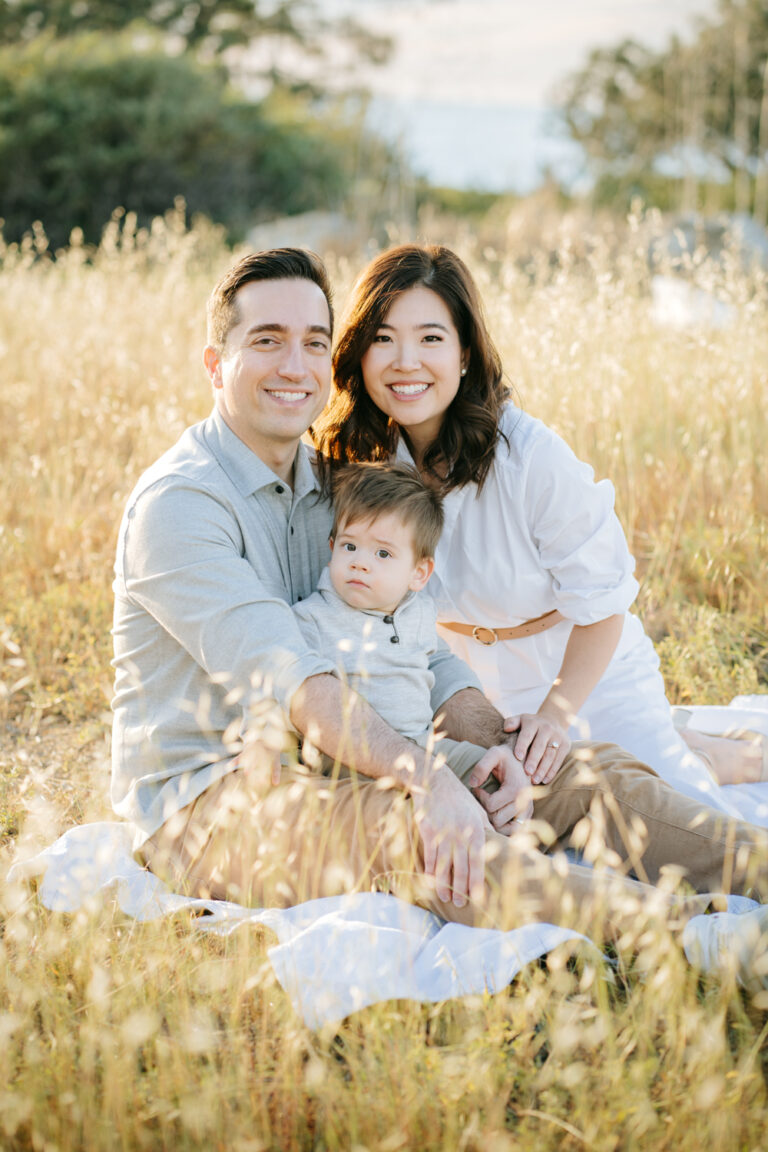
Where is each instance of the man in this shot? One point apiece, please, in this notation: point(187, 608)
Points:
point(219, 537)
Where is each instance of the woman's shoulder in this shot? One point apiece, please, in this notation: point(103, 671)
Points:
point(521, 434)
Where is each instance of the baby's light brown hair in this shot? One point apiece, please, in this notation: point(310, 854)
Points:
point(363, 492)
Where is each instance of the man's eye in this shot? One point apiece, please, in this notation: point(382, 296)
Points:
point(318, 345)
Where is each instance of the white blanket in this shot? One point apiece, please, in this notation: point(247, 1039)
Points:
point(339, 954)
point(334, 956)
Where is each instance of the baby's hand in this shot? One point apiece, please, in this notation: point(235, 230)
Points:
point(500, 784)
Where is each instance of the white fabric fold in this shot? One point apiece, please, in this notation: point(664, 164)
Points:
point(334, 956)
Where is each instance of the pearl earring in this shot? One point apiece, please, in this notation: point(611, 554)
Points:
point(463, 372)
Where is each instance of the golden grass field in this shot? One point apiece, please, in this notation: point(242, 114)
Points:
point(115, 1034)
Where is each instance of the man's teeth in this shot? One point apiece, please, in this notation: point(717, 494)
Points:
point(290, 395)
point(409, 389)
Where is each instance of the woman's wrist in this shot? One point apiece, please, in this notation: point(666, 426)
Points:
point(557, 711)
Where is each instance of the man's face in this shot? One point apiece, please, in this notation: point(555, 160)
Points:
point(274, 375)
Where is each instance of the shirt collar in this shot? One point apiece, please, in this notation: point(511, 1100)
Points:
point(246, 470)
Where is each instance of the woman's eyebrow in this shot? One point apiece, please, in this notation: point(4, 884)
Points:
point(428, 324)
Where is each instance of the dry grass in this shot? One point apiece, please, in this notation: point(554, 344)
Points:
point(116, 1034)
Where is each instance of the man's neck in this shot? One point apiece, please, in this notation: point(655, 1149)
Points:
point(282, 464)
point(279, 456)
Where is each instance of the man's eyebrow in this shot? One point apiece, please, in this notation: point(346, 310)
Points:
point(283, 328)
point(429, 324)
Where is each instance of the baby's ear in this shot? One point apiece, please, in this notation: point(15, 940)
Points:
point(330, 543)
point(421, 573)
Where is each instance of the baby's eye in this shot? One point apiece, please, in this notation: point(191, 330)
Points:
point(382, 554)
point(348, 547)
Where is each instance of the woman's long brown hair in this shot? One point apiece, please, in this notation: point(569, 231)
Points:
point(353, 429)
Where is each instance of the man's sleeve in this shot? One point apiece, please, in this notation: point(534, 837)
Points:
point(183, 563)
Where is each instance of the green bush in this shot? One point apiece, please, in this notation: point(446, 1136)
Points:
point(94, 122)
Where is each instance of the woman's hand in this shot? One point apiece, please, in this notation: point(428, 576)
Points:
point(541, 746)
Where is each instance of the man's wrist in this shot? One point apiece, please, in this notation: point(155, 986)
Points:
point(418, 772)
point(469, 716)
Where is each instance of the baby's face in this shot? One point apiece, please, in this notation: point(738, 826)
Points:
point(373, 563)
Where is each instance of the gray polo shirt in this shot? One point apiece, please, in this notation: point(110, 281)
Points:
point(213, 549)
point(384, 655)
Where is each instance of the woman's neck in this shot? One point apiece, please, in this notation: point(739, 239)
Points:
point(418, 448)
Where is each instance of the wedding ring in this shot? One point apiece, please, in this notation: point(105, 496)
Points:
point(554, 744)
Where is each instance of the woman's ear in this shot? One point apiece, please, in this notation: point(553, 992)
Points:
point(421, 573)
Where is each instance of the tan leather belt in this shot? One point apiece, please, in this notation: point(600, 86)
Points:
point(489, 636)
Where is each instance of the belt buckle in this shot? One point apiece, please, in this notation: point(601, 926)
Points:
point(477, 632)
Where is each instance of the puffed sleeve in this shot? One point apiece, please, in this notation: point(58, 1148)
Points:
point(576, 531)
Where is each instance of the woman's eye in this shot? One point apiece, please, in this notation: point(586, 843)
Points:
point(381, 338)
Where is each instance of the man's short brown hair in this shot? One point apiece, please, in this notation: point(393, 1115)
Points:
point(275, 264)
point(362, 492)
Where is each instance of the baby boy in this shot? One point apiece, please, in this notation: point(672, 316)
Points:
point(368, 611)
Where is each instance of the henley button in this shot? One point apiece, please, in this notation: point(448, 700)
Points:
point(291, 529)
point(279, 489)
point(394, 639)
point(388, 619)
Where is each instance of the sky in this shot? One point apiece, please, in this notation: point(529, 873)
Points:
point(468, 91)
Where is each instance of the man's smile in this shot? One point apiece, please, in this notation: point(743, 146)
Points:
point(287, 397)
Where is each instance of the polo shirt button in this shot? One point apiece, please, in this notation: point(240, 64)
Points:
point(279, 489)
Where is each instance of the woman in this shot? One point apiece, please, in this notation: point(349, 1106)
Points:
point(533, 577)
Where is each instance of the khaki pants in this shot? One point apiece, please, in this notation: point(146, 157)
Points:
point(276, 845)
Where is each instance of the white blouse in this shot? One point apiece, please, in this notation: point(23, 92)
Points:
point(540, 535)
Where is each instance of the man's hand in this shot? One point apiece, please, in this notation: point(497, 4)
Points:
point(541, 745)
point(452, 826)
point(511, 801)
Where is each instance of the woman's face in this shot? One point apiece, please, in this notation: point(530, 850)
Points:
point(413, 368)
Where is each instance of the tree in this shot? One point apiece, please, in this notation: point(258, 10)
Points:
point(698, 109)
point(93, 122)
point(210, 25)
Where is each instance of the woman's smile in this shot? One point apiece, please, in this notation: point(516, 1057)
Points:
point(409, 391)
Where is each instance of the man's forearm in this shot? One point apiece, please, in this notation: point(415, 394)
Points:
point(468, 715)
point(343, 725)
